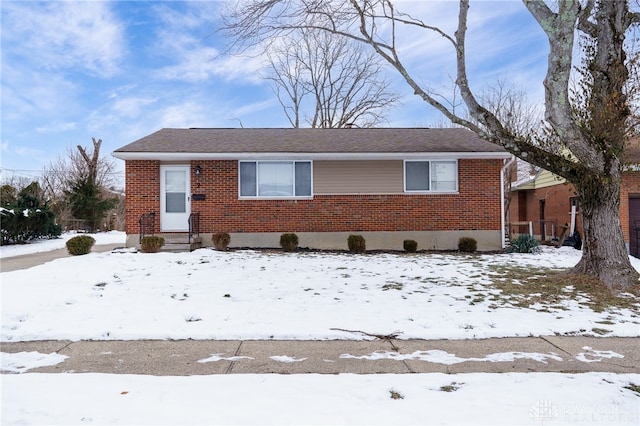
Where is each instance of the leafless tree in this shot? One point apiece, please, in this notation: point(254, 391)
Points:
point(591, 157)
point(72, 167)
point(333, 82)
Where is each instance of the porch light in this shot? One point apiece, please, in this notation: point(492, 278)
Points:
point(198, 170)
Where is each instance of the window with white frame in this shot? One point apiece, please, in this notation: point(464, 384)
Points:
point(430, 176)
point(275, 179)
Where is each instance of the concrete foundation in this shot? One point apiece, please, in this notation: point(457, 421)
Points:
point(382, 240)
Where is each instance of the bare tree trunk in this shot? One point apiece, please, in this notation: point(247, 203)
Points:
point(92, 163)
point(604, 253)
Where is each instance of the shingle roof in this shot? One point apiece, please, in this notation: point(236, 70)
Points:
point(311, 141)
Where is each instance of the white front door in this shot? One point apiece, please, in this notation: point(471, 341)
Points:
point(175, 205)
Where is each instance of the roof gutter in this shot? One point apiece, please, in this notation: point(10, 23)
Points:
point(194, 156)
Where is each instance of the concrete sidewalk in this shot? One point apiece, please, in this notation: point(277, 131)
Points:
point(26, 261)
point(200, 357)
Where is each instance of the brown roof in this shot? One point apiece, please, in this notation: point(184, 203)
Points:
point(309, 141)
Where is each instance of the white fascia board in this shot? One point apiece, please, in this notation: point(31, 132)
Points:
point(189, 156)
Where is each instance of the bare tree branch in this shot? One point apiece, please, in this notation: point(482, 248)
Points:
point(335, 79)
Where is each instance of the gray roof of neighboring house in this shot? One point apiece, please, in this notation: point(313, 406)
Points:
point(235, 143)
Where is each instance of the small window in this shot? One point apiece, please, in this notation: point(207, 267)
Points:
point(431, 176)
point(248, 183)
point(574, 202)
point(417, 176)
point(275, 179)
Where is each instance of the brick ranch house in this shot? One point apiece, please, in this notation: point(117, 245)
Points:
point(430, 185)
point(550, 203)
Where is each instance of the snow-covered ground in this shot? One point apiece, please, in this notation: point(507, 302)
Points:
point(39, 246)
point(207, 294)
point(347, 399)
point(271, 295)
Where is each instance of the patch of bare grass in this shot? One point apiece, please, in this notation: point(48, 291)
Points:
point(451, 388)
point(548, 288)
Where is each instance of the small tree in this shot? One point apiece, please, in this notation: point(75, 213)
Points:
point(87, 202)
point(75, 166)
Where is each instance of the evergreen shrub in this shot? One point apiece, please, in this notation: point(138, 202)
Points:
point(25, 216)
point(356, 244)
point(221, 240)
point(151, 244)
point(410, 246)
point(467, 245)
point(80, 245)
point(289, 242)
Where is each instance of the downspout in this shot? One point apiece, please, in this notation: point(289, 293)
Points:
point(504, 168)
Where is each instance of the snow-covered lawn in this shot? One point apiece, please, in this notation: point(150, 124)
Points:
point(272, 295)
point(39, 246)
point(207, 294)
point(345, 399)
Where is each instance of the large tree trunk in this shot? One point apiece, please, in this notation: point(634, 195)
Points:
point(604, 254)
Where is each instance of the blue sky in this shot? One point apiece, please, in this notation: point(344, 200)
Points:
point(120, 70)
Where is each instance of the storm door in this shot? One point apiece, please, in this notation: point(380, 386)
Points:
point(175, 198)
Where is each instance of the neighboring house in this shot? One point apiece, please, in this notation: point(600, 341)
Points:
point(430, 185)
point(543, 203)
point(551, 204)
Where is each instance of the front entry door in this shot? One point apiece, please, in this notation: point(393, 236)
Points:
point(175, 205)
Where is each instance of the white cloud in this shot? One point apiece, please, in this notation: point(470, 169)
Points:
point(118, 91)
point(186, 114)
point(254, 107)
point(132, 107)
point(57, 127)
point(192, 65)
point(185, 39)
point(99, 120)
point(64, 35)
point(28, 152)
point(27, 92)
point(194, 61)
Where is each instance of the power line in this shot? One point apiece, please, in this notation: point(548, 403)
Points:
point(23, 171)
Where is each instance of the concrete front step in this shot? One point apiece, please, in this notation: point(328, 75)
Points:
point(180, 242)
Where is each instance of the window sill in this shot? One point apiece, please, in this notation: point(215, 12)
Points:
point(275, 198)
point(431, 192)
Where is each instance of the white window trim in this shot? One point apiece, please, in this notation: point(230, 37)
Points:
point(288, 197)
point(430, 161)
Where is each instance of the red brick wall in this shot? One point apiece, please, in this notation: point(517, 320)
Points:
point(142, 189)
point(557, 208)
point(475, 207)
